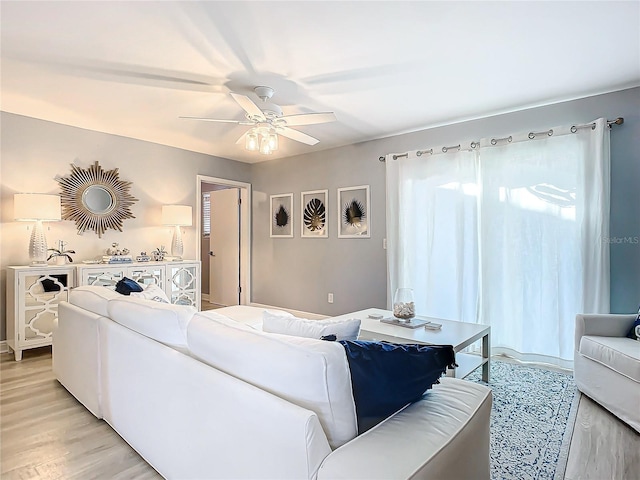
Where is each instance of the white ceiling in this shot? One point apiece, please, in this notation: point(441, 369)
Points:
point(132, 68)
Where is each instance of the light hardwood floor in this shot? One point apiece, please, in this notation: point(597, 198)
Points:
point(46, 434)
point(602, 447)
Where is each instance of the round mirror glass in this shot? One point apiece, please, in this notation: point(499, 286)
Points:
point(97, 199)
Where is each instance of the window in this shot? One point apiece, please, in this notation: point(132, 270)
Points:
point(507, 234)
point(206, 214)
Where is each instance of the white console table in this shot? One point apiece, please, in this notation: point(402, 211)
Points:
point(179, 280)
point(33, 293)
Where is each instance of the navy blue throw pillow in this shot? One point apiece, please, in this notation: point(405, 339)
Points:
point(126, 286)
point(49, 285)
point(633, 331)
point(387, 376)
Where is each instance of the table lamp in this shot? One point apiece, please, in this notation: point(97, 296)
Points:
point(38, 208)
point(176, 216)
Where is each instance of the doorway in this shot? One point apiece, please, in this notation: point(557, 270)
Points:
point(223, 231)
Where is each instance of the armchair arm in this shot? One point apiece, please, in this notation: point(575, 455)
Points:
point(605, 325)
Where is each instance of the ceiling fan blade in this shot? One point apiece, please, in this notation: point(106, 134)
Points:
point(147, 76)
point(309, 118)
point(297, 136)
point(247, 105)
point(219, 120)
point(242, 138)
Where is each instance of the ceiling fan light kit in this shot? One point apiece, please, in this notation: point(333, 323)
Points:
point(251, 141)
point(262, 139)
point(267, 122)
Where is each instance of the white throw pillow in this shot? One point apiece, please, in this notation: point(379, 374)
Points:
point(152, 292)
point(301, 327)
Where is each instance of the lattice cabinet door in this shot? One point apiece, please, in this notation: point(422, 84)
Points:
point(33, 294)
point(147, 274)
point(183, 283)
point(103, 275)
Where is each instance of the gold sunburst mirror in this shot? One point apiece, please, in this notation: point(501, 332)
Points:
point(95, 199)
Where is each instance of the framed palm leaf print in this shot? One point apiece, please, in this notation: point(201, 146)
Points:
point(314, 214)
point(282, 215)
point(353, 212)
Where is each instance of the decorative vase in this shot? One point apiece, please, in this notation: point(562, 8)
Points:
point(61, 260)
point(403, 305)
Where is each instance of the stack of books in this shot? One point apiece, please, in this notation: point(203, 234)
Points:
point(117, 259)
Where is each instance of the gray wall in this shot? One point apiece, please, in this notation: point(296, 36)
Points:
point(33, 152)
point(294, 273)
point(298, 273)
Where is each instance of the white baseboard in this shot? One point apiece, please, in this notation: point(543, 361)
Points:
point(297, 313)
point(3, 347)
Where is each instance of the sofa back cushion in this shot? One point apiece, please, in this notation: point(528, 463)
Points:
point(313, 374)
point(93, 298)
point(249, 315)
point(159, 321)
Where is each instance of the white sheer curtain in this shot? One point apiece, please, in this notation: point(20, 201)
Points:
point(511, 235)
point(432, 232)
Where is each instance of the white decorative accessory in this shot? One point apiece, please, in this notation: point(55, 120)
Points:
point(37, 207)
point(177, 216)
point(152, 292)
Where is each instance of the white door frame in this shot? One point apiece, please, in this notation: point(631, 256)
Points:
point(245, 229)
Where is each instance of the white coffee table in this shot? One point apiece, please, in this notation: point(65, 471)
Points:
point(458, 334)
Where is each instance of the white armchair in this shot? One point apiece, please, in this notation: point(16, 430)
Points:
point(607, 364)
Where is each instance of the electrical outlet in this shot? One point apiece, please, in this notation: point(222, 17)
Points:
point(330, 298)
point(384, 243)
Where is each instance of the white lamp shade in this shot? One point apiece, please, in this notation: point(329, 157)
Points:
point(176, 215)
point(36, 206)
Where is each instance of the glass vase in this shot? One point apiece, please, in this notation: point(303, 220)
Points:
point(403, 305)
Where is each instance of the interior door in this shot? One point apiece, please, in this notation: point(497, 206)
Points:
point(224, 248)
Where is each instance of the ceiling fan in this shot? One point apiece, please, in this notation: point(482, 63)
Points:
point(268, 122)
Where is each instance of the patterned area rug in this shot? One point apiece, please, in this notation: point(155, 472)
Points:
point(532, 421)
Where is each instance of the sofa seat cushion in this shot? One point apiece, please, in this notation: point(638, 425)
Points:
point(445, 435)
point(313, 374)
point(620, 354)
point(159, 321)
point(93, 298)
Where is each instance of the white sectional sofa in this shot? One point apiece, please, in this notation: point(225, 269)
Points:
point(607, 364)
point(206, 396)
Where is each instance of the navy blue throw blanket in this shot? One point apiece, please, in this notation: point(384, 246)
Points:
point(387, 376)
